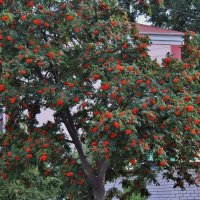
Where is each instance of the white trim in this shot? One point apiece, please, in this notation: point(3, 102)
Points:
point(179, 43)
point(154, 33)
point(166, 39)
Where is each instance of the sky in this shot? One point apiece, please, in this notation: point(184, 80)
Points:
point(142, 20)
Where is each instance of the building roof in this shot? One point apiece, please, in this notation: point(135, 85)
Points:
point(152, 30)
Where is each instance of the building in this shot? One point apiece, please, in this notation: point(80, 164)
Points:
point(166, 190)
point(163, 41)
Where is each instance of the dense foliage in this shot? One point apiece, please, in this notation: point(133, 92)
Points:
point(178, 15)
point(30, 185)
point(135, 8)
point(85, 61)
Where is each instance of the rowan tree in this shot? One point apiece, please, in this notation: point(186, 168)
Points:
point(87, 63)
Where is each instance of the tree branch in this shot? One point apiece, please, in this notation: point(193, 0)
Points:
point(74, 135)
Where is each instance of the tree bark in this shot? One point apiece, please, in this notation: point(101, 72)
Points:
point(99, 191)
point(99, 187)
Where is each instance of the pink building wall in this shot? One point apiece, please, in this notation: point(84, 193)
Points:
point(176, 51)
point(159, 51)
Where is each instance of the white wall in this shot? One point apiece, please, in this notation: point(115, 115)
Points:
point(159, 51)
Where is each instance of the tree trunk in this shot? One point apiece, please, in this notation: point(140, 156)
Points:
point(99, 192)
